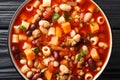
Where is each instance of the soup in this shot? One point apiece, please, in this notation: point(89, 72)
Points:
point(60, 40)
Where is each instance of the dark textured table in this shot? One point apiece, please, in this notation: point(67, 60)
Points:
point(7, 10)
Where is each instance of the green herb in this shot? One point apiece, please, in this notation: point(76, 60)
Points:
point(67, 16)
point(70, 18)
point(55, 17)
point(22, 27)
point(21, 56)
point(88, 37)
point(43, 70)
point(79, 56)
point(82, 52)
point(58, 76)
point(69, 43)
point(36, 50)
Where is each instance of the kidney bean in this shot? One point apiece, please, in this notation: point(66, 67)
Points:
point(36, 76)
point(29, 33)
point(56, 55)
point(84, 41)
point(91, 64)
point(15, 49)
point(32, 27)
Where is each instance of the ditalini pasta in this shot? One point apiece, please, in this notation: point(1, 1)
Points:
point(60, 40)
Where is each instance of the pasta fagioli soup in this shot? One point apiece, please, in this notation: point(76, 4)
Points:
point(60, 40)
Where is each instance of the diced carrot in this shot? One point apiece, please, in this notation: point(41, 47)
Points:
point(54, 40)
point(94, 27)
point(91, 8)
point(51, 66)
point(58, 32)
point(23, 17)
point(30, 55)
point(30, 19)
point(48, 74)
point(66, 27)
point(64, 62)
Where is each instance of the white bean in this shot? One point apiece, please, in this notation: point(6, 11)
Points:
point(43, 30)
point(36, 63)
point(87, 17)
point(73, 43)
point(103, 45)
point(23, 61)
point(94, 40)
point(39, 79)
point(30, 63)
point(77, 37)
point(29, 74)
point(64, 69)
point(25, 69)
point(36, 33)
point(36, 17)
point(85, 48)
point(36, 4)
point(65, 7)
point(44, 23)
point(72, 33)
point(88, 76)
point(57, 9)
point(56, 63)
point(39, 12)
point(46, 61)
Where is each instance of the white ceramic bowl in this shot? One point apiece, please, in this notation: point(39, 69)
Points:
point(10, 29)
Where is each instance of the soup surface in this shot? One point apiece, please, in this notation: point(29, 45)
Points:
point(60, 40)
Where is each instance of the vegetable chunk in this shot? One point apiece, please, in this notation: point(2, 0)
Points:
point(46, 3)
point(94, 27)
point(58, 32)
point(30, 55)
point(48, 75)
point(66, 27)
point(25, 24)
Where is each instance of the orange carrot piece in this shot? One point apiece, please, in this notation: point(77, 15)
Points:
point(48, 74)
point(30, 55)
point(66, 27)
point(58, 32)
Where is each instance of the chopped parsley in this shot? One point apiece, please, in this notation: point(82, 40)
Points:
point(69, 43)
point(55, 17)
point(67, 16)
point(58, 76)
point(21, 56)
point(79, 56)
point(36, 50)
point(22, 27)
point(88, 37)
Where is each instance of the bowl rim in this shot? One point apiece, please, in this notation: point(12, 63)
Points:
point(110, 49)
point(9, 39)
